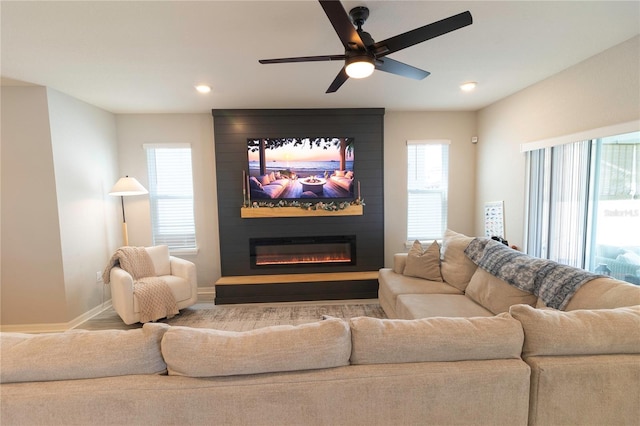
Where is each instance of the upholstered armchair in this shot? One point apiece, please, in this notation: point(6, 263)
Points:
point(178, 273)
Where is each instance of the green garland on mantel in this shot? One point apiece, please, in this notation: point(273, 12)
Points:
point(331, 206)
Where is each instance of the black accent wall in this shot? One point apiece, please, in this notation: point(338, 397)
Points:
point(232, 128)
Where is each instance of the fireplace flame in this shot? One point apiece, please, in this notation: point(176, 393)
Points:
point(300, 259)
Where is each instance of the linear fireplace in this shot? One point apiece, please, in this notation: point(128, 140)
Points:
point(302, 251)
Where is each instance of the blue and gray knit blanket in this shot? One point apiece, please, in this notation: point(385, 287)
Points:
point(552, 282)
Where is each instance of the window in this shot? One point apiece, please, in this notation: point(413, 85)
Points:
point(584, 205)
point(171, 196)
point(427, 185)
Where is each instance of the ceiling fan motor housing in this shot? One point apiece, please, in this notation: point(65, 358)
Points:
point(359, 15)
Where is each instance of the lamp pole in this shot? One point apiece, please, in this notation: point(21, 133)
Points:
point(127, 186)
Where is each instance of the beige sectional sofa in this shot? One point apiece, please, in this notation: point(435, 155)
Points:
point(585, 358)
point(480, 356)
point(364, 371)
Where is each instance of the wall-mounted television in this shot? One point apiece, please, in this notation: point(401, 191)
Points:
point(303, 168)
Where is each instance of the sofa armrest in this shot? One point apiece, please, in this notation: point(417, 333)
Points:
point(122, 294)
point(399, 261)
point(184, 269)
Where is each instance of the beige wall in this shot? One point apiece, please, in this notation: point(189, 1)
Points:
point(83, 138)
point(32, 274)
point(134, 130)
point(58, 158)
point(601, 91)
point(459, 128)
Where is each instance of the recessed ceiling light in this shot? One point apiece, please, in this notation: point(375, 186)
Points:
point(468, 86)
point(203, 88)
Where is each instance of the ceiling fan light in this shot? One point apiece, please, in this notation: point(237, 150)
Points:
point(468, 86)
point(359, 67)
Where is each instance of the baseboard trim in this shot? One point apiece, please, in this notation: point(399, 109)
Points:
point(204, 294)
point(56, 327)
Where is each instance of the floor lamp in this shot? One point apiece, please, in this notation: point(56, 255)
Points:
point(125, 187)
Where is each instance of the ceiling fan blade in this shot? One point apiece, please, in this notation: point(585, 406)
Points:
point(421, 34)
point(338, 81)
point(303, 59)
point(394, 67)
point(342, 24)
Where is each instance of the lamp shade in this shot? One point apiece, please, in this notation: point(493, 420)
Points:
point(128, 186)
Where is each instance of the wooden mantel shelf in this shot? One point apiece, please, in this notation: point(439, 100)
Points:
point(249, 213)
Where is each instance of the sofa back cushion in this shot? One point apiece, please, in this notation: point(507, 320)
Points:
point(382, 341)
point(456, 268)
point(581, 332)
point(160, 257)
point(604, 293)
point(199, 352)
point(81, 354)
point(495, 294)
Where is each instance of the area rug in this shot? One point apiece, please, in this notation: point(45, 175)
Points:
point(246, 317)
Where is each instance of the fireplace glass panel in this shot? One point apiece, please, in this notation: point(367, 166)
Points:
point(295, 252)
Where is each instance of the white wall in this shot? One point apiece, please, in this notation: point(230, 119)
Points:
point(134, 130)
point(459, 128)
point(83, 138)
point(601, 91)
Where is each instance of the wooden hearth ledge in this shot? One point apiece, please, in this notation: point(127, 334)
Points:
point(248, 212)
point(297, 278)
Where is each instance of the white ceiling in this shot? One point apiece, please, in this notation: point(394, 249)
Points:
point(146, 56)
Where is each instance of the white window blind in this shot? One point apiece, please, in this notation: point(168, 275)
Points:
point(558, 202)
point(427, 189)
point(171, 196)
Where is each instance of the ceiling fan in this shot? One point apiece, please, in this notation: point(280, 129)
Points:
point(362, 55)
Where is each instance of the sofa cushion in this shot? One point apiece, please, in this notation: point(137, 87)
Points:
point(81, 354)
point(160, 257)
point(380, 341)
point(393, 285)
point(410, 306)
point(264, 180)
point(495, 294)
point(198, 352)
point(581, 332)
point(604, 293)
point(456, 268)
point(423, 264)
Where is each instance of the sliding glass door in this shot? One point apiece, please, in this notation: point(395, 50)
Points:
point(615, 237)
point(584, 205)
